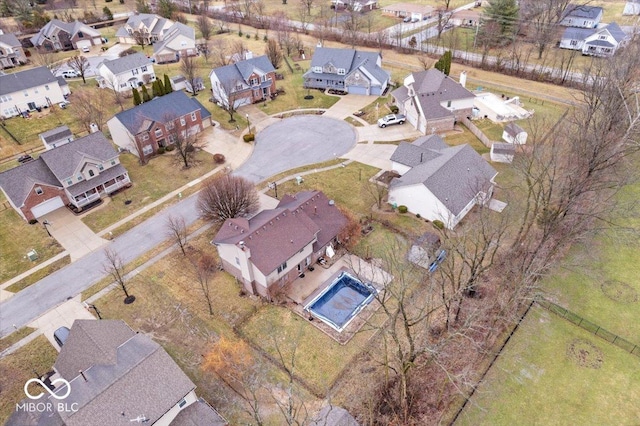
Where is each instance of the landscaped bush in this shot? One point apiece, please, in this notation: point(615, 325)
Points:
point(402, 209)
point(170, 148)
point(394, 109)
point(418, 215)
point(218, 158)
point(161, 150)
point(249, 137)
point(438, 224)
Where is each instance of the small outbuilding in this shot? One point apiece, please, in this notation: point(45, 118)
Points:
point(502, 152)
point(514, 134)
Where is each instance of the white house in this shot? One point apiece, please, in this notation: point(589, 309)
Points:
point(440, 182)
point(603, 41)
point(176, 42)
point(276, 246)
point(582, 16)
point(515, 134)
point(56, 137)
point(632, 7)
point(127, 72)
point(144, 26)
point(433, 101)
point(502, 152)
point(29, 90)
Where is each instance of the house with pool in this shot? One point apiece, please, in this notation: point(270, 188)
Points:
point(276, 246)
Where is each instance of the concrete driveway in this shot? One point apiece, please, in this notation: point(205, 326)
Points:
point(392, 133)
point(347, 105)
point(294, 142)
point(376, 155)
point(71, 233)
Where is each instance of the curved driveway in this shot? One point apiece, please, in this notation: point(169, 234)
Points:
point(297, 141)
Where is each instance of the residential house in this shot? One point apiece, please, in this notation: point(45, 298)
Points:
point(11, 51)
point(582, 16)
point(502, 152)
point(515, 134)
point(432, 101)
point(440, 182)
point(151, 125)
point(115, 376)
point(29, 90)
point(58, 35)
point(274, 247)
point(603, 41)
point(632, 7)
point(144, 27)
point(465, 18)
point(417, 12)
point(353, 71)
point(75, 174)
point(355, 5)
point(177, 41)
point(125, 73)
point(245, 82)
point(56, 137)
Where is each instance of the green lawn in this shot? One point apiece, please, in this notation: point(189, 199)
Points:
point(462, 136)
point(150, 182)
point(17, 238)
point(537, 381)
point(38, 275)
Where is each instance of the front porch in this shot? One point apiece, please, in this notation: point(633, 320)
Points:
point(106, 183)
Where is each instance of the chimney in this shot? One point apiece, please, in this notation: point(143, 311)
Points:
point(241, 245)
point(83, 376)
point(421, 154)
point(315, 210)
point(463, 79)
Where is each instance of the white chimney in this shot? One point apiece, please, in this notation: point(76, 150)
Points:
point(463, 79)
point(93, 127)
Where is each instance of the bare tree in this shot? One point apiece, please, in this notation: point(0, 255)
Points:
point(89, 108)
point(113, 85)
point(226, 196)
point(204, 48)
point(219, 52)
point(237, 50)
point(262, 18)
point(204, 25)
point(542, 19)
point(352, 27)
point(189, 69)
point(204, 268)
point(226, 95)
point(376, 192)
point(274, 53)
point(185, 140)
point(115, 267)
point(304, 15)
point(177, 230)
point(308, 4)
point(49, 60)
point(80, 64)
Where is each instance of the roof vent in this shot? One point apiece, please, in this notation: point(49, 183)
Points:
point(264, 227)
point(332, 203)
point(241, 244)
point(291, 241)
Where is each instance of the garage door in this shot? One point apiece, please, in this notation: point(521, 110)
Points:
point(83, 43)
point(97, 41)
point(357, 90)
point(46, 207)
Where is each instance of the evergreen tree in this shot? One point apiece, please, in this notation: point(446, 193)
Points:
point(447, 62)
point(167, 85)
point(136, 97)
point(155, 91)
point(504, 13)
point(161, 89)
point(145, 94)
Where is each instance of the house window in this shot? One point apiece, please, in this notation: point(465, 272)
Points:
point(46, 87)
point(80, 34)
point(38, 190)
point(182, 403)
point(91, 173)
point(317, 70)
point(602, 37)
point(342, 71)
point(79, 177)
point(25, 93)
point(193, 116)
point(448, 104)
point(237, 261)
point(254, 81)
point(170, 125)
point(282, 267)
point(238, 86)
point(574, 42)
point(182, 121)
point(158, 133)
point(135, 71)
point(69, 182)
point(145, 137)
point(101, 167)
point(113, 162)
point(144, 69)
point(147, 149)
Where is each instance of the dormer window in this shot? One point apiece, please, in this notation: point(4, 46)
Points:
point(113, 162)
point(342, 71)
point(317, 70)
point(79, 177)
point(38, 190)
point(602, 37)
point(100, 167)
point(80, 34)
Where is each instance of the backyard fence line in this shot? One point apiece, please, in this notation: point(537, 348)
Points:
point(473, 390)
point(477, 132)
point(286, 61)
point(589, 326)
point(4, 206)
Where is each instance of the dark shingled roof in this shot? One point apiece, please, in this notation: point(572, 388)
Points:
point(62, 132)
point(455, 176)
point(241, 71)
point(419, 151)
point(348, 59)
point(136, 377)
point(175, 104)
point(126, 63)
point(24, 80)
point(503, 148)
point(19, 181)
point(200, 413)
point(64, 160)
point(274, 236)
point(573, 33)
point(583, 11)
point(10, 39)
point(72, 28)
point(513, 129)
point(172, 32)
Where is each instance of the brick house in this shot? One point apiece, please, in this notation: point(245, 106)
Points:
point(151, 125)
point(76, 173)
point(59, 35)
point(276, 246)
point(11, 51)
point(432, 101)
point(244, 82)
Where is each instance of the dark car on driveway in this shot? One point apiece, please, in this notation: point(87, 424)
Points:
point(60, 335)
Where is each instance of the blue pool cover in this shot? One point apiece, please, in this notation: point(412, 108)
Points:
point(341, 301)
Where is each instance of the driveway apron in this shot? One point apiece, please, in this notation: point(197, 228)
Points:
point(72, 234)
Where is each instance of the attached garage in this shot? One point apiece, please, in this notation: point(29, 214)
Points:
point(47, 207)
point(97, 41)
point(83, 43)
point(357, 90)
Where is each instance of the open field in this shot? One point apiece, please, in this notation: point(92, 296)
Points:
point(553, 372)
point(17, 237)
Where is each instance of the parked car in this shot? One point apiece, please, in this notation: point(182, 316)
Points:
point(24, 158)
point(61, 335)
point(407, 19)
point(390, 119)
point(70, 74)
point(86, 49)
point(63, 104)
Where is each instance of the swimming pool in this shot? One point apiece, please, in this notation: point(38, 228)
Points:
point(341, 301)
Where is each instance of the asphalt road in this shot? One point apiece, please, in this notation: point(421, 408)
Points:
point(30, 303)
point(294, 142)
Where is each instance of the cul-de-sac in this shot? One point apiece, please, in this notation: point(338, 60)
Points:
point(319, 212)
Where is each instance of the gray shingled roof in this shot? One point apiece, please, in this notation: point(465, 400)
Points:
point(104, 176)
point(10, 39)
point(62, 132)
point(583, 11)
point(143, 381)
point(175, 104)
point(241, 71)
point(19, 181)
point(503, 148)
point(199, 413)
point(348, 59)
point(64, 160)
point(24, 80)
point(421, 150)
point(454, 177)
point(172, 32)
point(127, 63)
point(616, 32)
point(91, 342)
point(70, 27)
point(147, 19)
point(513, 129)
point(573, 33)
point(274, 236)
